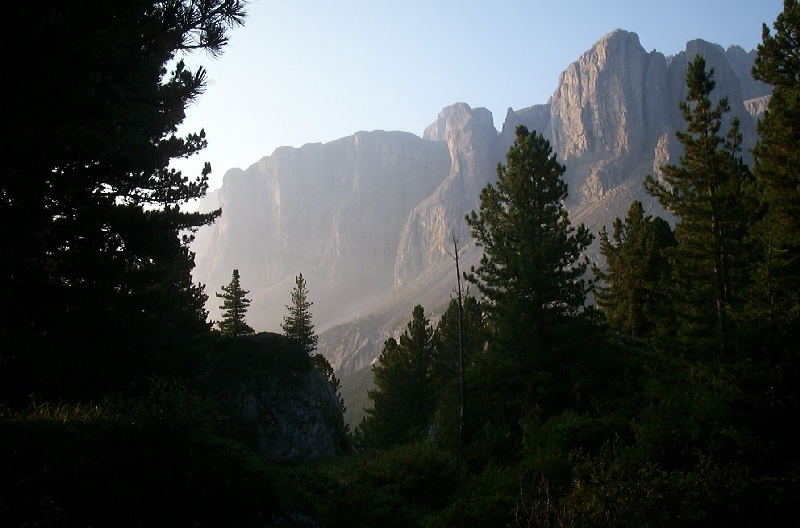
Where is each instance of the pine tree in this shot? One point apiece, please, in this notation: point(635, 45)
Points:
point(531, 270)
point(632, 293)
point(531, 278)
point(234, 307)
point(403, 396)
point(93, 254)
point(705, 192)
point(297, 325)
point(774, 300)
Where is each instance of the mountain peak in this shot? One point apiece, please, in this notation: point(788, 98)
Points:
point(618, 34)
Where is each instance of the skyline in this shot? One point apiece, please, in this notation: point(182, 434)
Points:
point(310, 72)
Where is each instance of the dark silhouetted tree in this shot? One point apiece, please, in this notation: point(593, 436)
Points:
point(297, 325)
point(531, 272)
point(632, 294)
point(234, 307)
point(402, 400)
point(95, 241)
point(774, 300)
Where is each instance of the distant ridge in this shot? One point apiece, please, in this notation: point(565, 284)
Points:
point(368, 218)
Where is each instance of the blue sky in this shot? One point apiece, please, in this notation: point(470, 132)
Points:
point(306, 71)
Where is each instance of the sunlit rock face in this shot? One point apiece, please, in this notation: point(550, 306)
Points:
point(369, 219)
point(426, 238)
point(334, 212)
point(614, 104)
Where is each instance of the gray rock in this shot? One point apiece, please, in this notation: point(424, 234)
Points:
point(298, 417)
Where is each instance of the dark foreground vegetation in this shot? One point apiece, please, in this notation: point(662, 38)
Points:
point(673, 403)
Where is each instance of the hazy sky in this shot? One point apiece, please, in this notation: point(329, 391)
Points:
point(303, 71)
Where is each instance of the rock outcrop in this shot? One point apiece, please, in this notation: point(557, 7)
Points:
point(271, 388)
point(368, 219)
point(297, 418)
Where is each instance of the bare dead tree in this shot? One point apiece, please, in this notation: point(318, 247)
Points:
point(455, 255)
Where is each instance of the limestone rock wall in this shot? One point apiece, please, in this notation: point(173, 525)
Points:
point(426, 238)
point(334, 212)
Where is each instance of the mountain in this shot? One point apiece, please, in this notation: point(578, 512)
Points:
point(369, 219)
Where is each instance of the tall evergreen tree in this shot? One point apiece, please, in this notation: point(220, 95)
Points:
point(93, 260)
point(297, 325)
point(234, 307)
point(403, 396)
point(632, 292)
point(531, 277)
point(775, 298)
point(705, 192)
point(532, 268)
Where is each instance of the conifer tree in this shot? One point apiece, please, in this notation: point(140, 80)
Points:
point(531, 278)
point(403, 396)
point(297, 325)
point(775, 297)
point(532, 267)
point(705, 192)
point(632, 291)
point(234, 307)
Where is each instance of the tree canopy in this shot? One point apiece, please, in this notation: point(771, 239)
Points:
point(403, 393)
point(531, 271)
point(532, 267)
point(632, 289)
point(776, 295)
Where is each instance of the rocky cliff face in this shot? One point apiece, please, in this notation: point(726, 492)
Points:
point(471, 141)
point(368, 219)
point(334, 212)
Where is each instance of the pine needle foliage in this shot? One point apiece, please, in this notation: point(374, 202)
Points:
point(96, 257)
point(234, 307)
point(631, 289)
point(297, 325)
point(775, 298)
point(706, 192)
point(531, 272)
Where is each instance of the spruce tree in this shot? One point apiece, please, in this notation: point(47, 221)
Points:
point(297, 325)
point(775, 297)
point(234, 307)
point(705, 192)
point(631, 292)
